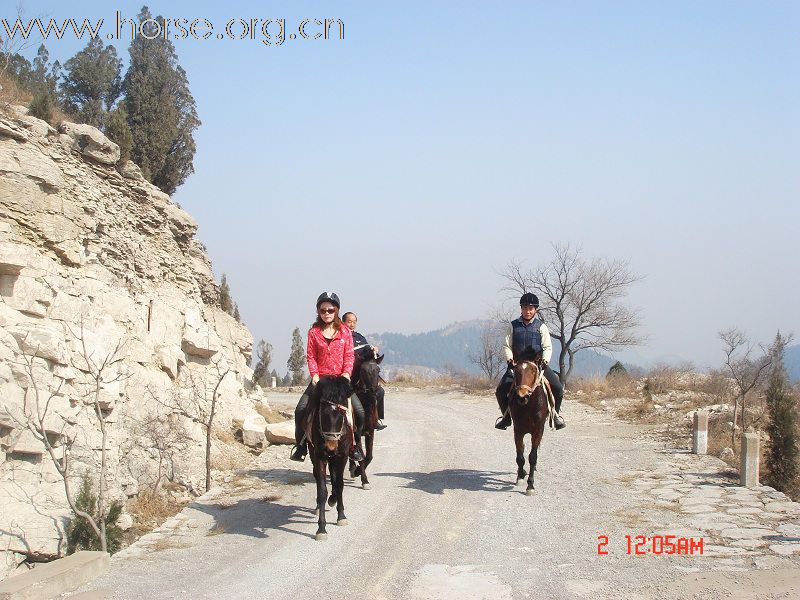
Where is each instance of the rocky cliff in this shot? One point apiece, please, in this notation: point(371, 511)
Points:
point(107, 303)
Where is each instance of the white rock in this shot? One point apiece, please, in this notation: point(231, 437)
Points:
point(281, 433)
point(253, 430)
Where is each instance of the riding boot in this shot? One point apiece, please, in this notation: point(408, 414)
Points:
point(558, 420)
point(355, 451)
point(380, 425)
point(299, 451)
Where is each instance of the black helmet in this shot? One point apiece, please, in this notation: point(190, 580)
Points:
point(329, 297)
point(529, 299)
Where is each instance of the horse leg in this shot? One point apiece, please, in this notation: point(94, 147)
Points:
point(322, 495)
point(338, 491)
point(519, 440)
point(532, 461)
point(368, 437)
point(332, 497)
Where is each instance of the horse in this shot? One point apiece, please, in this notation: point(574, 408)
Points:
point(528, 401)
point(366, 374)
point(330, 438)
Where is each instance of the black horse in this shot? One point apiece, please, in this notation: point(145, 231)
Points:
point(330, 439)
point(528, 401)
point(366, 375)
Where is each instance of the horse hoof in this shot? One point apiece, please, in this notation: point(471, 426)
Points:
point(529, 492)
point(365, 486)
point(332, 501)
point(321, 537)
point(341, 522)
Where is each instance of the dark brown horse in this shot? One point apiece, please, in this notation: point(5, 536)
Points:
point(366, 375)
point(330, 439)
point(528, 402)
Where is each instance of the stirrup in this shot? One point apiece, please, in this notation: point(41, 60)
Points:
point(357, 455)
point(503, 422)
point(298, 453)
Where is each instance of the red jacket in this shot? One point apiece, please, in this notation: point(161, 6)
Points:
point(332, 358)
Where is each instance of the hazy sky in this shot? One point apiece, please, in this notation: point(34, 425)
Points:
point(403, 166)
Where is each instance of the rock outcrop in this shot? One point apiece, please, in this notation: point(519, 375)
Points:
point(98, 265)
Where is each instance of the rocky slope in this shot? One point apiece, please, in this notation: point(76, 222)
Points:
point(97, 264)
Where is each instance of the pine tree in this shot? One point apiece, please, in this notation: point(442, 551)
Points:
point(41, 106)
point(118, 131)
point(783, 454)
point(297, 358)
point(264, 357)
point(92, 83)
point(286, 381)
point(617, 369)
point(225, 300)
point(161, 110)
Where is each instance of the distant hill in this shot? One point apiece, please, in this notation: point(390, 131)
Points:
point(449, 347)
point(792, 359)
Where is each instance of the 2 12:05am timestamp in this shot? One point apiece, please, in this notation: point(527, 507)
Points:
point(641, 545)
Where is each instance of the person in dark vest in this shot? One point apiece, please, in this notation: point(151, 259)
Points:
point(527, 335)
point(363, 349)
point(329, 352)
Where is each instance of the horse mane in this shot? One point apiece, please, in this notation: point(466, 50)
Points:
point(530, 355)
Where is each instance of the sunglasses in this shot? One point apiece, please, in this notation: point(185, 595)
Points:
point(327, 311)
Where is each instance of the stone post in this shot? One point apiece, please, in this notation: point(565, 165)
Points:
point(748, 471)
point(274, 382)
point(700, 432)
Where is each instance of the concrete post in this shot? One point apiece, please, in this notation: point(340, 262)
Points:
point(748, 471)
point(700, 432)
point(274, 382)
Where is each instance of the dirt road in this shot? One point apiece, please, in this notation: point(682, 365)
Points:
point(444, 519)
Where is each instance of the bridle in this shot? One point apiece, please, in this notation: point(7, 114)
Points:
point(333, 436)
point(530, 389)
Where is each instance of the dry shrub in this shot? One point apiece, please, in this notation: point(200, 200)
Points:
point(475, 384)
point(600, 388)
point(229, 455)
point(12, 92)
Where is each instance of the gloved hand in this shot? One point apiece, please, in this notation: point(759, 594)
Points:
point(315, 379)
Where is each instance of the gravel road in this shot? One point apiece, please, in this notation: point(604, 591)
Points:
point(444, 519)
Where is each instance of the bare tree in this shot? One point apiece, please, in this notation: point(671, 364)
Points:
point(583, 299)
point(165, 435)
point(747, 372)
point(197, 401)
point(489, 355)
point(37, 418)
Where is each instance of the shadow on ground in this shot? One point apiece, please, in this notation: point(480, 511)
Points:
point(469, 480)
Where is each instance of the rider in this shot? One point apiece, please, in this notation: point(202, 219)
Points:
point(526, 334)
point(364, 350)
point(329, 352)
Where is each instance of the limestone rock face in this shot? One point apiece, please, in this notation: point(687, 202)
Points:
point(91, 142)
point(100, 268)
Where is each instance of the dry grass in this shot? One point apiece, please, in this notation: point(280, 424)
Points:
point(168, 543)
point(270, 414)
point(150, 510)
point(216, 530)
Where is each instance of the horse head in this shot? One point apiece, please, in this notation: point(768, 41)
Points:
point(333, 393)
point(527, 376)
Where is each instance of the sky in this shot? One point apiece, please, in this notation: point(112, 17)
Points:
point(406, 165)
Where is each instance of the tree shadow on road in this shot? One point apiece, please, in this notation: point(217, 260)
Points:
point(469, 480)
point(259, 517)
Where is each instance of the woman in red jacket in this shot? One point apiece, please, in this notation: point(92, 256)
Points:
point(329, 352)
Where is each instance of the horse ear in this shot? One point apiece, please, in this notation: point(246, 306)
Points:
point(379, 360)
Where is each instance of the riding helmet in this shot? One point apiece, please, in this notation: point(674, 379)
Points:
point(329, 297)
point(529, 299)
